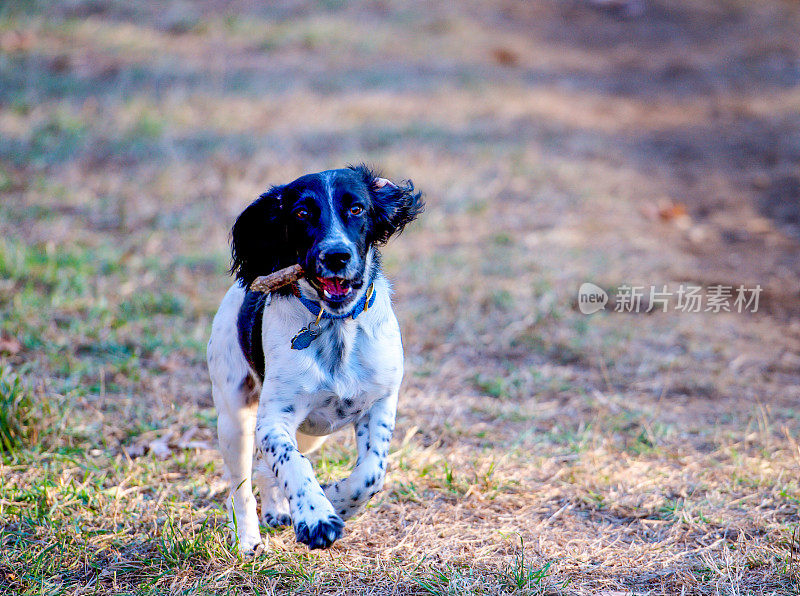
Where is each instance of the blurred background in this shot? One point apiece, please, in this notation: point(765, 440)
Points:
point(557, 142)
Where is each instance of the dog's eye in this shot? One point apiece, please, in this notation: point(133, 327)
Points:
point(301, 214)
point(356, 210)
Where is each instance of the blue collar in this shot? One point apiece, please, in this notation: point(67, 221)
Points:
point(365, 303)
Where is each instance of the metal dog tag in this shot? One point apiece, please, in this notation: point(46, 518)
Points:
point(305, 336)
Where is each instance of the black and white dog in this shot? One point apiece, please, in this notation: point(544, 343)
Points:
point(289, 368)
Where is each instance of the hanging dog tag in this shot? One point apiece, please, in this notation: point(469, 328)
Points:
point(308, 334)
point(304, 337)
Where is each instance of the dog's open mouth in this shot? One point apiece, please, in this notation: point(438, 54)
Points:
point(336, 289)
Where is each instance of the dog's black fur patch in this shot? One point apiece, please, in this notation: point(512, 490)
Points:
point(251, 315)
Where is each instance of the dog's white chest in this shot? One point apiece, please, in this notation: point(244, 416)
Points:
point(370, 368)
point(350, 365)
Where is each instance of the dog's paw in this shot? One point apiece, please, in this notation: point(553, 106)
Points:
point(276, 519)
point(251, 546)
point(320, 534)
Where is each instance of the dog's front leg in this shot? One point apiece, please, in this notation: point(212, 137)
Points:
point(315, 522)
point(373, 435)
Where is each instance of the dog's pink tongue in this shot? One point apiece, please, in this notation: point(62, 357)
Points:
point(333, 286)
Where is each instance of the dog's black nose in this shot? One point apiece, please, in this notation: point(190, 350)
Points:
point(335, 260)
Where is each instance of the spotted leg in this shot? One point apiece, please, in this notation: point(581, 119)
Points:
point(275, 510)
point(373, 435)
point(315, 522)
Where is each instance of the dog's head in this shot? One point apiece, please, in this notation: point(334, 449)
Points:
point(328, 223)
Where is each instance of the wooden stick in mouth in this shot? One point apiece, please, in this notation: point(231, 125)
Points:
point(277, 279)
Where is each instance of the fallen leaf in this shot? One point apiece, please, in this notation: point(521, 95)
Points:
point(164, 445)
point(135, 450)
point(505, 57)
point(169, 364)
point(669, 210)
point(185, 442)
point(666, 210)
point(16, 41)
point(160, 446)
point(9, 345)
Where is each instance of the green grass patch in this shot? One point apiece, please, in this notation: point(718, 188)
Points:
point(18, 423)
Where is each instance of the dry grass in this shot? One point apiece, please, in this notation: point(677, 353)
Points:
point(538, 451)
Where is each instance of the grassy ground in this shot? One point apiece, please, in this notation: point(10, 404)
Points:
point(538, 450)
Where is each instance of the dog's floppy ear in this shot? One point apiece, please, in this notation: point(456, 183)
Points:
point(393, 205)
point(259, 239)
